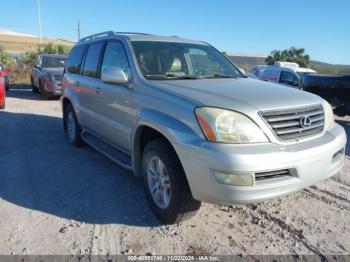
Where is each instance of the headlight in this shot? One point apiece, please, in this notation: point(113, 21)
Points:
point(228, 126)
point(328, 114)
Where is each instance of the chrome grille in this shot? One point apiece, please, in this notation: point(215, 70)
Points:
point(296, 123)
point(58, 77)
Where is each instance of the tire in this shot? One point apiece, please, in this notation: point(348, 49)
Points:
point(43, 93)
point(72, 127)
point(34, 88)
point(180, 204)
point(2, 106)
point(7, 87)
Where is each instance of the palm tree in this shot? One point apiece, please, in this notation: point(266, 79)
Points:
point(292, 54)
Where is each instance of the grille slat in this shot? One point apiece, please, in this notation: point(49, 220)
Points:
point(291, 117)
point(297, 130)
point(286, 124)
point(58, 77)
point(272, 174)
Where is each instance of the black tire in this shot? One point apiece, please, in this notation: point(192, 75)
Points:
point(7, 87)
point(34, 88)
point(43, 93)
point(182, 205)
point(73, 137)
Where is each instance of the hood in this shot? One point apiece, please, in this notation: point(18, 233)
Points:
point(240, 93)
point(54, 70)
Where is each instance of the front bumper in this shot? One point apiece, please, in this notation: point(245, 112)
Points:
point(53, 88)
point(310, 162)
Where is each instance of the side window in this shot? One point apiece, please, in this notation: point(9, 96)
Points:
point(289, 78)
point(115, 56)
point(92, 60)
point(75, 59)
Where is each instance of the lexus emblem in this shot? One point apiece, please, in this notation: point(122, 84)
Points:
point(305, 121)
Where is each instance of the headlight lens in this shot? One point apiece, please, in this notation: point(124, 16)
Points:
point(329, 116)
point(228, 126)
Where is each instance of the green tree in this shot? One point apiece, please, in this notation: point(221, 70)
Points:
point(293, 54)
point(29, 57)
point(5, 58)
point(51, 48)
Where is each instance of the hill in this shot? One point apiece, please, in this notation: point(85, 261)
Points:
point(247, 61)
point(14, 42)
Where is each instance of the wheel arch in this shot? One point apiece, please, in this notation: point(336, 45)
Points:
point(153, 125)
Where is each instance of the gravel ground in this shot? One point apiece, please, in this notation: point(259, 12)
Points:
point(57, 199)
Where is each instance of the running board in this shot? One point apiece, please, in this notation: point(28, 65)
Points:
point(107, 150)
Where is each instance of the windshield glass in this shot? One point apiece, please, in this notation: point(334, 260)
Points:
point(305, 73)
point(51, 62)
point(171, 61)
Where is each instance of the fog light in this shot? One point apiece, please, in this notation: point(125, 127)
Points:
point(234, 179)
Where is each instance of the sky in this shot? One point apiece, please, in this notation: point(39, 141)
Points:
point(322, 27)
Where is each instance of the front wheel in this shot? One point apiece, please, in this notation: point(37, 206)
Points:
point(165, 184)
point(43, 94)
point(72, 127)
point(34, 88)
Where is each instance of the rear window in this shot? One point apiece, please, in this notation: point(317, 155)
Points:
point(75, 59)
point(92, 60)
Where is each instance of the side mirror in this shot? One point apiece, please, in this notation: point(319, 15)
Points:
point(113, 75)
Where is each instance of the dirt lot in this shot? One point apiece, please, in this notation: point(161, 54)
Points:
point(56, 199)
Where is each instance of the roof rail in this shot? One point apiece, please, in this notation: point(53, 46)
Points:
point(132, 33)
point(90, 37)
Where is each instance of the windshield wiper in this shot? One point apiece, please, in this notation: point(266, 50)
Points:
point(173, 76)
point(170, 77)
point(218, 76)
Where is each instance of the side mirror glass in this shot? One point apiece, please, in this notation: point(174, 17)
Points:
point(113, 75)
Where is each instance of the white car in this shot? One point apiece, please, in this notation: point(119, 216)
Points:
point(285, 73)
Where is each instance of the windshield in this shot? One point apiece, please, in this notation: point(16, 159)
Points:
point(304, 73)
point(171, 61)
point(52, 62)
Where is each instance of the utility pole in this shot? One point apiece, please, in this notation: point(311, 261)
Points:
point(39, 20)
point(78, 30)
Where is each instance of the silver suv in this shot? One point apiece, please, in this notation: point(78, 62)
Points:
point(180, 115)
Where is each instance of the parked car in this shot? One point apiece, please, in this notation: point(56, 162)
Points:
point(47, 75)
point(2, 92)
point(333, 88)
point(5, 74)
point(285, 73)
point(180, 115)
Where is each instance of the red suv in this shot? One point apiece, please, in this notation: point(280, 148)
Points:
point(2, 93)
point(5, 74)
